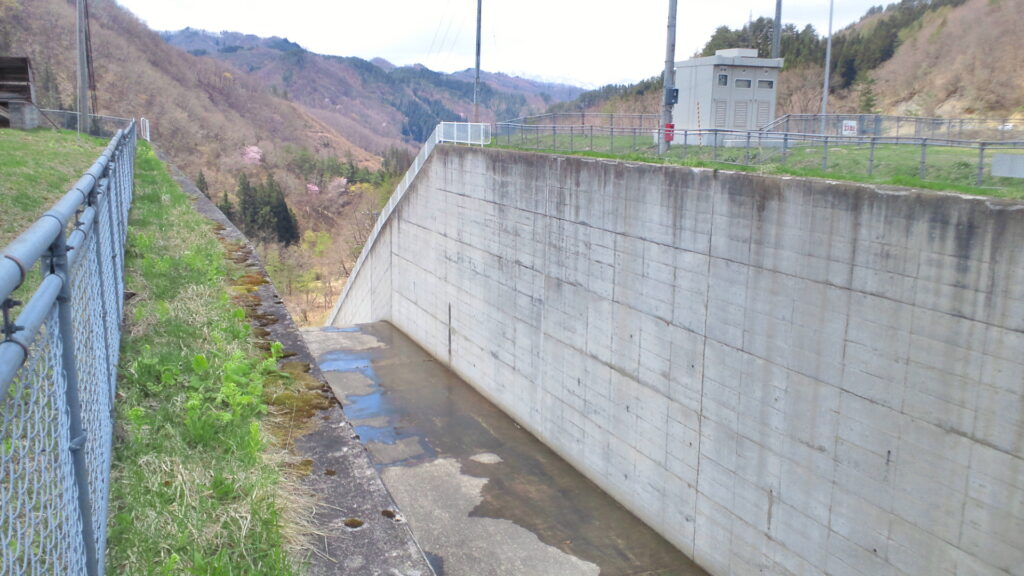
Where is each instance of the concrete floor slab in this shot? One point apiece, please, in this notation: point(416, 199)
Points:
point(482, 495)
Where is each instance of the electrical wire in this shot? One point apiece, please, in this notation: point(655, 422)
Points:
point(437, 31)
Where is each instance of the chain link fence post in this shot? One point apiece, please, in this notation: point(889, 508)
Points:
point(871, 157)
point(58, 263)
point(922, 168)
point(981, 164)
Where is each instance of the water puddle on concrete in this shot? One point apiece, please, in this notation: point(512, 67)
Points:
point(481, 494)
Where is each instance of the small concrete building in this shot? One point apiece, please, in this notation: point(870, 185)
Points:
point(17, 94)
point(732, 90)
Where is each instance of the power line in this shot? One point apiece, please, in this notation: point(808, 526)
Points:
point(437, 31)
point(444, 39)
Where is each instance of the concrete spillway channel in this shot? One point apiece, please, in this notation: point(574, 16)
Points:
point(482, 495)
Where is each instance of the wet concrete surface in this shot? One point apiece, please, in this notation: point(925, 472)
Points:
point(482, 495)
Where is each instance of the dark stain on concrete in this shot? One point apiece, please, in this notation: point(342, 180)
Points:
point(436, 562)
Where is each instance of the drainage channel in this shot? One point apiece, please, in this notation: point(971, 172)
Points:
point(482, 495)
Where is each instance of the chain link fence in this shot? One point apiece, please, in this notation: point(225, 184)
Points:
point(598, 119)
point(959, 162)
point(58, 362)
point(865, 125)
point(102, 126)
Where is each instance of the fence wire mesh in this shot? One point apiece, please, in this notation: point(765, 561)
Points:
point(958, 162)
point(896, 126)
point(40, 528)
point(54, 477)
point(102, 126)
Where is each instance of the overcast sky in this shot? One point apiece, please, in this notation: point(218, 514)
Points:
point(583, 42)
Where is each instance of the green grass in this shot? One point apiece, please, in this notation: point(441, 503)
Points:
point(190, 492)
point(36, 169)
point(948, 169)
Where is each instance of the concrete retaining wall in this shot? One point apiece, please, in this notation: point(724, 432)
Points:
point(782, 376)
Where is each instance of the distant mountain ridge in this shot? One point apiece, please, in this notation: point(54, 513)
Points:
point(373, 102)
point(203, 112)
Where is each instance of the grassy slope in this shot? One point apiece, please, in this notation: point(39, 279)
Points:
point(190, 493)
point(36, 169)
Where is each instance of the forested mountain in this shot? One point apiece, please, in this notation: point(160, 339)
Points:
point(300, 148)
point(925, 57)
point(375, 103)
point(857, 50)
point(203, 113)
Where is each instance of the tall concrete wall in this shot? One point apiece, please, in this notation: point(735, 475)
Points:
point(781, 376)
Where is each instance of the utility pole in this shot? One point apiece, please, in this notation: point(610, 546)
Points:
point(83, 70)
point(476, 83)
point(669, 78)
point(777, 30)
point(828, 69)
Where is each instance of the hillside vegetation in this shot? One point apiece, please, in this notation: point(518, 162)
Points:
point(327, 134)
point(915, 57)
point(203, 114)
point(962, 61)
point(375, 103)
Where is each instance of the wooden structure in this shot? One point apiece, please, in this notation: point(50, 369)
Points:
point(17, 93)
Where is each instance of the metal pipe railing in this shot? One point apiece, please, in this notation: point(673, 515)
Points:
point(57, 372)
point(758, 147)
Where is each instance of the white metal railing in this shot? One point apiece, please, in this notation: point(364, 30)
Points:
point(464, 133)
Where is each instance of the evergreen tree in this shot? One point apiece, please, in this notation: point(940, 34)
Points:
point(248, 204)
point(202, 185)
point(263, 213)
point(868, 101)
point(281, 221)
point(227, 207)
